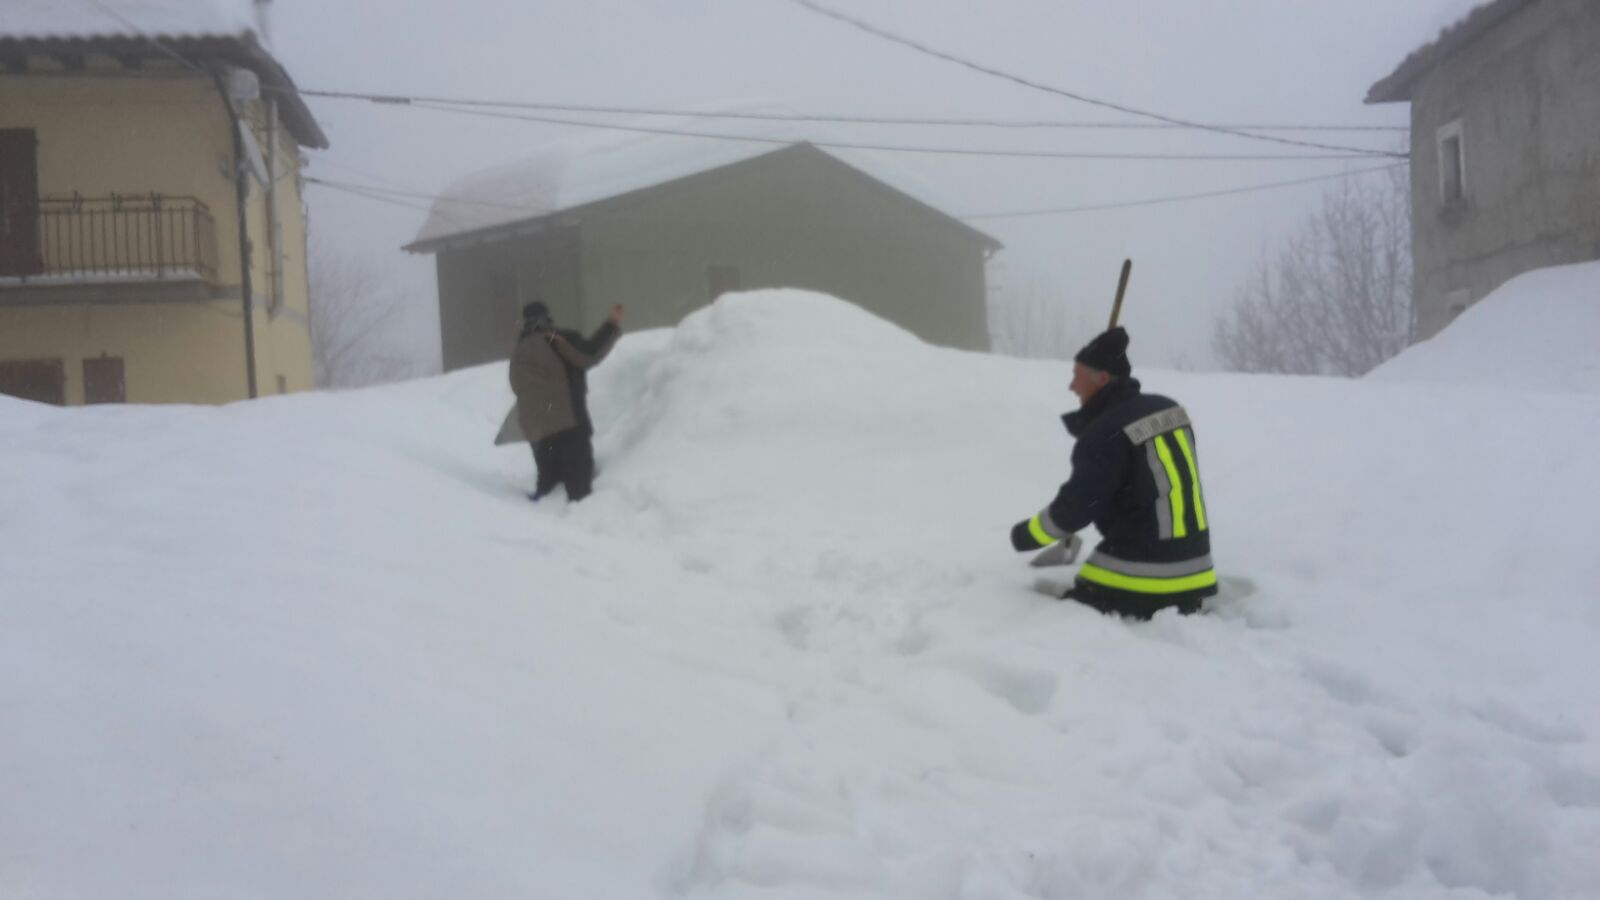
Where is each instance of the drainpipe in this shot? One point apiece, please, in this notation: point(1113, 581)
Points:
point(241, 187)
point(274, 239)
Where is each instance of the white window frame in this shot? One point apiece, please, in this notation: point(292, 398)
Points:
point(1446, 133)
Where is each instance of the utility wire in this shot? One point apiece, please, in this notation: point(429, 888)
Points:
point(369, 193)
point(1062, 210)
point(405, 100)
point(893, 148)
point(1106, 104)
point(389, 195)
point(345, 185)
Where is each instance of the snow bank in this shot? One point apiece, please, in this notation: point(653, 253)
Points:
point(322, 646)
point(1539, 332)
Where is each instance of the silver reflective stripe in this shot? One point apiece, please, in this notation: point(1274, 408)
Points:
point(1148, 569)
point(1156, 423)
point(1163, 490)
point(1050, 527)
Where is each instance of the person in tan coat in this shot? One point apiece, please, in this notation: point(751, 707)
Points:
point(547, 375)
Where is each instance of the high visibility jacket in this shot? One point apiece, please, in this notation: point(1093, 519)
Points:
point(1136, 477)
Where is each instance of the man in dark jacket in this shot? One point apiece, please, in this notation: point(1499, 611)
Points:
point(547, 375)
point(1136, 477)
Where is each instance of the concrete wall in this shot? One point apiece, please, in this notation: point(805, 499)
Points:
point(482, 289)
point(794, 219)
point(162, 131)
point(1527, 94)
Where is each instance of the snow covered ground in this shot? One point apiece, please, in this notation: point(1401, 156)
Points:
point(321, 646)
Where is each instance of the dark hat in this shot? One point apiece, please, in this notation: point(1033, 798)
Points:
point(535, 310)
point(1108, 352)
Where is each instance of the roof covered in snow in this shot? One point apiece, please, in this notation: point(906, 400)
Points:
point(570, 174)
point(1479, 17)
point(83, 19)
point(197, 30)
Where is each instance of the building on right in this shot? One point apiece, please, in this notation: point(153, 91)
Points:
point(1505, 149)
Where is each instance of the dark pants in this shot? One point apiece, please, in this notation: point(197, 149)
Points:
point(565, 458)
point(1134, 606)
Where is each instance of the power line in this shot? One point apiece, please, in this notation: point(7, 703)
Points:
point(1106, 104)
point(893, 148)
point(369, 193)
point(390, 195)
point(1180, 197)
point(345, 185)
point(405, 100)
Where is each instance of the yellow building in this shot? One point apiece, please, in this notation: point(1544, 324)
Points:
point(130, 267)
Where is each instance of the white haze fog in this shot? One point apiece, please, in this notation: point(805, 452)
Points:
point(1227, 62)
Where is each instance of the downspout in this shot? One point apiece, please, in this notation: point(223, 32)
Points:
point(241, 186)
point(274, 239)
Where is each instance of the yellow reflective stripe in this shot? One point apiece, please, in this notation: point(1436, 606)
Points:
point(1194, 479)
point(1179, 528)
point(1036, 529)
point(1096, 575)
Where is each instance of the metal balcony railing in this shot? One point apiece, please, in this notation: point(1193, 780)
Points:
point(124, 238)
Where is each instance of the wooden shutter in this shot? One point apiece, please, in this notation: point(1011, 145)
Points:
point(19, 203)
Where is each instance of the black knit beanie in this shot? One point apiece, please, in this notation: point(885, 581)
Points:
point(1108, 352)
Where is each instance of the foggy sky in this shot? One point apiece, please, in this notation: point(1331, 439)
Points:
point(1224, 61)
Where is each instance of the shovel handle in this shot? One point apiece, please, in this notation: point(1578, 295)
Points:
point(1122, 289)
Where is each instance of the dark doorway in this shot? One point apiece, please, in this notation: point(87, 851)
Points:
point(722, 279)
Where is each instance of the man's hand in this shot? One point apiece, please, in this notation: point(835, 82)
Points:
point(617, 312)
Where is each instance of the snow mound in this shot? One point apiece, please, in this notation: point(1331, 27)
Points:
point(1540, 332)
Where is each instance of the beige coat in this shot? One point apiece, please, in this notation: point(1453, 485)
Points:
point(547, 375)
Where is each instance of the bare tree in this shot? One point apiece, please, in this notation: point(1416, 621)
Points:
point(1031, 319)
point(1336, 299)
point(354, 310)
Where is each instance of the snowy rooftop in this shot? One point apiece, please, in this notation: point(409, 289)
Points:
point(1462, 21)
point(86, 19)
point(208, 29)
point(600, 165)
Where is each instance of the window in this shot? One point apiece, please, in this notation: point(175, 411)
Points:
point(1452, 164)
point(722, 279)
point(104, 380)
point(42, 380)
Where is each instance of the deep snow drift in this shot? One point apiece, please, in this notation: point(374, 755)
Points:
point(1540, 332)
point(321, 646)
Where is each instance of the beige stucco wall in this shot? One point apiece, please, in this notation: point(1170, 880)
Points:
point(161, 131)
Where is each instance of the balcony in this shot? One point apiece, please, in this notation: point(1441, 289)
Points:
point(121, 247)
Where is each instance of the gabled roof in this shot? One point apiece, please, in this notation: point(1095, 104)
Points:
point(1398, 85)
point(574, 175)
point(197, 30)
